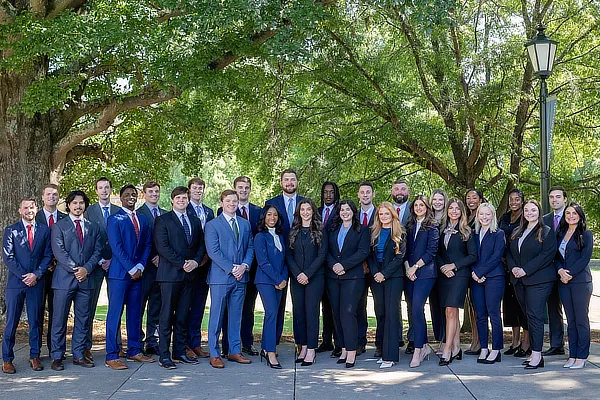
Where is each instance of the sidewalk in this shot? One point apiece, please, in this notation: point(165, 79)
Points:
point(324, 380)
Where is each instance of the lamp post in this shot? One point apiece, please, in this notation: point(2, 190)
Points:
point(542, 51)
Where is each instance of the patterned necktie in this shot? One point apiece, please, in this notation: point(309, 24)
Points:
point(186, 229)
point(398, 211)
point(244, 213)
point(155, 212)
point(201, 215)
point(556, 221)
point(365, 221)
point(136, 226)
point(30, 236)
point(236, 230)
point(79, 231)
point(105, 213)
point(290, 211)
point(326, 216)
point(51, 221)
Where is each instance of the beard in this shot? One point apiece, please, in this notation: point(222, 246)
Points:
point(400, 199)
point(289, 190)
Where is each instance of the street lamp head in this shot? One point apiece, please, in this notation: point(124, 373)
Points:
point(542, 51)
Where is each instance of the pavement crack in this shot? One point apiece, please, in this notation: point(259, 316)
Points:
point(125, 381)
point(462, 383)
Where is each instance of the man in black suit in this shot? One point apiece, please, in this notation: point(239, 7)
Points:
point(203, 213)
point(558, 199)
point(179, 241)
point(48, 215)
point(250, 212)
point(76, 244)
point(150, 288)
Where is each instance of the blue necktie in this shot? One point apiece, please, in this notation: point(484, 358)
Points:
point(105, 213)
point(186, 228)
point(290, 211)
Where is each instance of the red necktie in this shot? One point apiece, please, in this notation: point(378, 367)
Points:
point(326, 216)
point(136, 226)
point(30, 236)
point(398, 211)
point(365, 221)
point(79, 231)
point(51, 221)
point(244, 213)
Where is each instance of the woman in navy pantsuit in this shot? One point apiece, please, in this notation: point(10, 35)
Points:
point(420, 269)
point(575, 244)
point(306, 260)
point(457, 251)
point(271, 278)
point(388, 245)
point(487, 286)
point(348, 248)
point(531, 263)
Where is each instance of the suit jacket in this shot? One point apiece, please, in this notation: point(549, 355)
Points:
point(253, 216)
point(128, 250)
point(391, 264)
point(331, 217)
point(150, 268)
point(94, 214)
point(173, 248)
point(69, 253)
point(306, 256)
point(404, 220)
point(280, 204)
point(40, 217)
point(537, 259)
point(224, 251)
point(490, 253)
point(354, 251)
point(20, 259)
point(462, 254)
point(210, 214)
point(549, 221)
point(371, 219)
point(271, 262)
point(424, 247)
point(576, 260)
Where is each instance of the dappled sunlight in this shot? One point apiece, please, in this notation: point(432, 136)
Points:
point(44, 379)
point(362, 377)
point(173, 380)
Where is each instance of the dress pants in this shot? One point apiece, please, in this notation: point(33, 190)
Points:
point(555, 318)
point(487, 298)
point(197, 308)
point(305, 306)
point(281, 312)
point(151, 305)
point(361, 312)
point(345, 296)
point(387, 300)
point(532, 299)
point(438, 314)
point(62, 304)
point(247, 324)
point(175, 307)
point(417, 292)
point(31, 297)
point(47, 302)
point(329, 335)
point(410, 332)
point(123, 292)
point(271, 298)
point(232, 297)
point(576, 299)
point(97, 277)
point(511, 310)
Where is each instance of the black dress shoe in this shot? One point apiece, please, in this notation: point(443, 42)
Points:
point(185, 359)
point(57, 365)
point(83, 362)
point(539, 365)
point(410, 347)
point(337, 351)
point(444, 362)
point(495, 360)
point(166, 364)
point(473, 353)
point(512, 350)
point(152, 351)
point(350, 365)
point(251, 351)
point(401, 344)
point(522, 352)
point(323, 347)
point(360, 350)
point(341, 361)
point(378, 352)
point(224, 353)
point(554, 351)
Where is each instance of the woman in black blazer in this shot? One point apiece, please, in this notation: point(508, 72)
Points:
point(531, 263)
point(306, 260)
point(388, 246)
point(348, 244)
point(575, 245)
point(457, 251)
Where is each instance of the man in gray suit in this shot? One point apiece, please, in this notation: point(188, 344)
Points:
point(150, 288)
point(76, 245)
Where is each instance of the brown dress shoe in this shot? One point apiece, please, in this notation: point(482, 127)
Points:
point(216, 362)
point(9, 368)
point(115, 364)
point(83, 362)
point(200, 352)
point(36, 364)
point(239, 358)
point(191, 354)
point(141, 358)
point(57, 365)
point(88, 354)
point(122, 353)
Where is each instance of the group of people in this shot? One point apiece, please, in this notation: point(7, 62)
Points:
point(166, 263)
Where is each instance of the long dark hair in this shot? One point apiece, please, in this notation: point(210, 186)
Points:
point(523, 225)
point(336, 192)
point(429, 221)
point(480, 195)
point(314, 230)
point(337, 221)
point(581, 225)
point(262, 227)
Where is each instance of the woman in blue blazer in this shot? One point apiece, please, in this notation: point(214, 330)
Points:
point(487, 286)
point(420, 269)
point(271, 278)
point(348, 243)
point(575, 245)
point(306, 261)
point(531, 263)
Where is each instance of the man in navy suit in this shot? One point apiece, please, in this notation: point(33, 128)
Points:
point(250, 212)
point(557, 196)
point(99, 213)
point(129, 236)
point(179, 241)
point(27, 255)
point(48, 215)
point(204, 214)
point(229, 246)
point(150, 288)
point(76, 245)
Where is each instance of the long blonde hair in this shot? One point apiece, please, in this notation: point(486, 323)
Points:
point(396, 233)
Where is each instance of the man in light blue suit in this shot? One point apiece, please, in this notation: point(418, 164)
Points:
point(229, 245)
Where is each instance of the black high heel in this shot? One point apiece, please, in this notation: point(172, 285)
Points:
point(539, 365)
point(512, 350)
point(309, 363)
point(265, 355)
point(445, 361)
point(495, 360)
point(458, 356)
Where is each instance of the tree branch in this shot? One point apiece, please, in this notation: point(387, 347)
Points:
point(86, 150)
point(8, 12)
point(58, 6)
